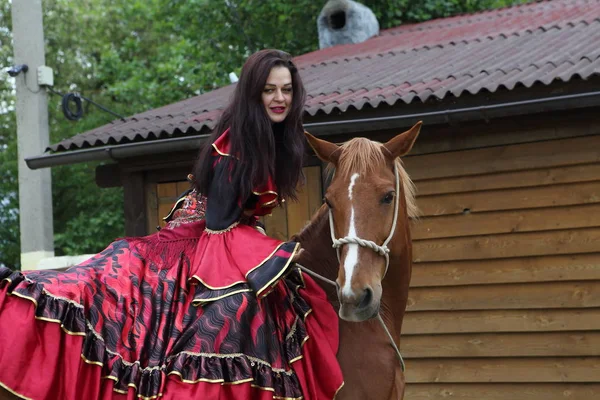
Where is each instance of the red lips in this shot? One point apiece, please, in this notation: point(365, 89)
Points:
point(278, 110)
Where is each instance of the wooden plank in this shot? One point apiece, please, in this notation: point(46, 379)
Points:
point(515, 199)
point(558, 344)
point(170, 201)
point(527, 178)
point(313, 188)
point(298, 212)
point(509, 296)
point(182, 186)
point(276, 224)
point(567, 369)
point(529, 220)
point(550, 153)
point(151, 208)
point(499, 131)
point(108, 175)
point(554, 320)
point(577, 267)
point(163, 210)
point(508, 245)
point(167, 189)
point(502, 391)
point(134, 204)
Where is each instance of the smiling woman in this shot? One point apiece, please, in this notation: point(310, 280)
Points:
point(277, 96)
point(209, 306)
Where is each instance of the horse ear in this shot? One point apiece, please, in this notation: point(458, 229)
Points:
point(403, 143)
point(325, 150)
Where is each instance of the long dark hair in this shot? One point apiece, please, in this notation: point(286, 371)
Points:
point(264, 149)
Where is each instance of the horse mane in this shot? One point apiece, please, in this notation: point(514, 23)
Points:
point(364, 155)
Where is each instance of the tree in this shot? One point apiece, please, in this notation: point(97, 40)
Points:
point(134, 55)
point(9, 233)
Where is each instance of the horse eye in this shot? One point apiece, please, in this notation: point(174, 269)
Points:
point(388, 198)
point(327, 202)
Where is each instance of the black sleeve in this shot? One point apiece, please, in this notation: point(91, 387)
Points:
point(222, 203)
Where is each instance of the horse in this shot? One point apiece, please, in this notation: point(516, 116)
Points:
point(369, 199)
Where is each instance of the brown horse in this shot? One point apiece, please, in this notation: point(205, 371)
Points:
point(362, 200)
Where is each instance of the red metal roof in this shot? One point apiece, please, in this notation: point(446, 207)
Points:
point(538, 42)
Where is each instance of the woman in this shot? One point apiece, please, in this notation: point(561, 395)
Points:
point(209, 307)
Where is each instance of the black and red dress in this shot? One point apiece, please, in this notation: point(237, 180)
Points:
point(207, 308)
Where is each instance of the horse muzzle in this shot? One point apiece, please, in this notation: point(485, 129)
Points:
point(360, 305)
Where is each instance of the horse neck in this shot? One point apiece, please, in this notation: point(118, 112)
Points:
point(319, 255)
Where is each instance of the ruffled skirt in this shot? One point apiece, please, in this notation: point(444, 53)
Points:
point(139, 320)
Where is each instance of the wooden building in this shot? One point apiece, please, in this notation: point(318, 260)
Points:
point(505, 297)
point(505, 288)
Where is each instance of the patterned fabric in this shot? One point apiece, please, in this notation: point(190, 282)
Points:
point(142, 322)
point(189, 208)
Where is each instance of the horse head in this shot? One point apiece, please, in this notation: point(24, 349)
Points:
point(370, 200)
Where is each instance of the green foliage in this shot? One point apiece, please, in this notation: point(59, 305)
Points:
point(134, 55)
point(9, 222)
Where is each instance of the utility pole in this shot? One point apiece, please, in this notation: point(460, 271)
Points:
point(35, 186)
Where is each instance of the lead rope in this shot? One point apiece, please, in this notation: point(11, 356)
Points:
point(382, 250)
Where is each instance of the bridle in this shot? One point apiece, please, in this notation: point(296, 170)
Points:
point(382, 250)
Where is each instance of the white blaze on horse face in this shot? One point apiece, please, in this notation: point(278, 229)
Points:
point(353, 179)
point(352, 254)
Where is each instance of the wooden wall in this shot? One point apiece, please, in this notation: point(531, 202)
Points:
point(505, 295)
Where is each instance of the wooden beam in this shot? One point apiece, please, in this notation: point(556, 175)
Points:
point(552, 153)
point(508, 296)
point(515, 199)
point(526, 370)
point(108, 176)
point(547, 344)
point(151, 207)
point(572, 241)
point(134, 204)
point(509, 180)
point(497, 222)
point(502, 391)
point(541, 320)
point(575, 267)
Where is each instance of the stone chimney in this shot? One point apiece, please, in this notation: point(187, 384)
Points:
point(345, 21)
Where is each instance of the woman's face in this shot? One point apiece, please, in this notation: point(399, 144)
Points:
point(277, 94)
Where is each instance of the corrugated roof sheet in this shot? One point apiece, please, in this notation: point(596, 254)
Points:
point(539, 42)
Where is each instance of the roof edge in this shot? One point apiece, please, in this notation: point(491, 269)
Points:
point(483, 112)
